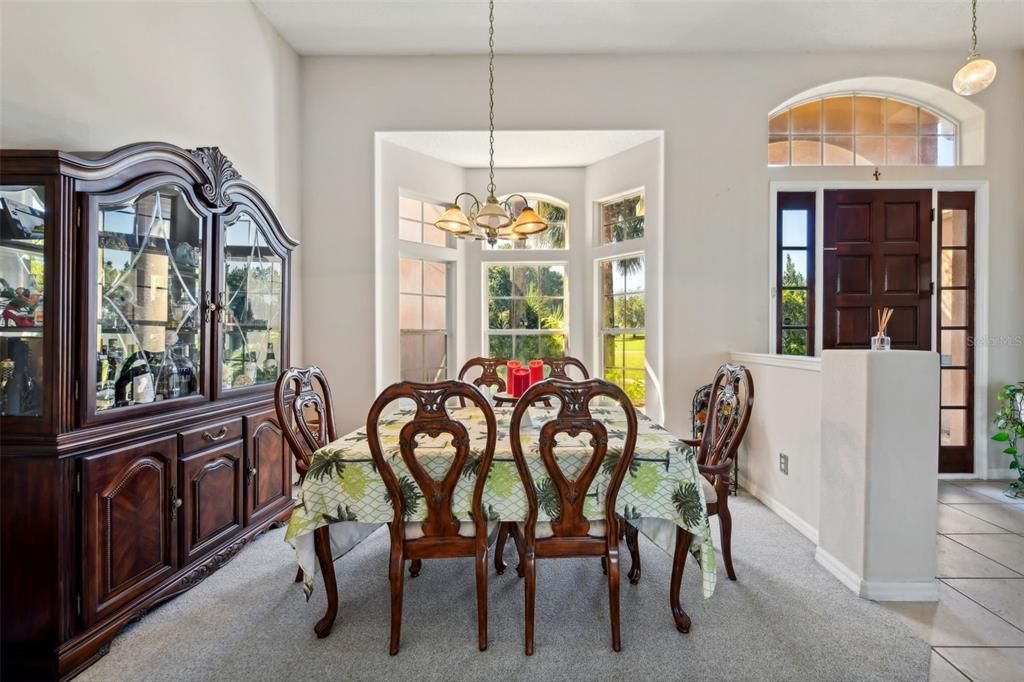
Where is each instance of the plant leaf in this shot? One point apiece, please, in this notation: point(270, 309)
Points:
point(1001, 436)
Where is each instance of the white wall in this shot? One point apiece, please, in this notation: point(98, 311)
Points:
point(92, 76)
point(786, 419)
point(400, 171)
point(713, 109)
point(636, 168)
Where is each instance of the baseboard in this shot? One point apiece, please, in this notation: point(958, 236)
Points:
point(1001, 474)
point(926, 590)
point(782, 511)
point(841, 571)
point(922, 591)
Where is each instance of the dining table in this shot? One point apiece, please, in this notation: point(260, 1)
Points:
point(662, 495)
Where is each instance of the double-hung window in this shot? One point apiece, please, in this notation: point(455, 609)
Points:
point(526, 310)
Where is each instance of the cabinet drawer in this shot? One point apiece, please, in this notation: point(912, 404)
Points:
point(210, 434)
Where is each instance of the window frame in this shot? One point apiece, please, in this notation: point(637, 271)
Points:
point(795, 201)
point(602, 330)
point(885, 135)
point(485, 297)
point(424, 332)
point(599, 223)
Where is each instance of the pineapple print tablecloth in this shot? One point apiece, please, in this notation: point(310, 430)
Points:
point(342, 487)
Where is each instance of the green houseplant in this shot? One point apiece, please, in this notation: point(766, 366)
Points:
point(1009, 421)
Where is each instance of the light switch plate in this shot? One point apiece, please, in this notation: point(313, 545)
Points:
point(784, 463)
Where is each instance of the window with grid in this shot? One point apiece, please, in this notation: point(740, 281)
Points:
point(423, 319)
point(554, 212)
point(860, 130)
point(622, 219)
point(623, 325)
point(526, 316)
point(416, 222)
point(794, 272)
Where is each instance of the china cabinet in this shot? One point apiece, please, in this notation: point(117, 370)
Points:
point(143, 322)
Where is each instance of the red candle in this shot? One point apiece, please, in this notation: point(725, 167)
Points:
point(520, 381)
point(536, 371)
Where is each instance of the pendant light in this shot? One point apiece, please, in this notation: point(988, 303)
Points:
point(492, 220)
point(977, 74)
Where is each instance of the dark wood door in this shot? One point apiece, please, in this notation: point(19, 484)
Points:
point(211, 493)
point(877, 254)
point(268, 466)
point(131, 506)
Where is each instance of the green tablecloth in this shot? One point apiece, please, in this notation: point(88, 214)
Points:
point(343, 488)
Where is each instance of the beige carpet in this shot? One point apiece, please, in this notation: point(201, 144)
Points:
point(785, 619)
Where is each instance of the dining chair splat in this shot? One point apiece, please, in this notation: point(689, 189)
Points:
point(440, 534)
point(571, 533)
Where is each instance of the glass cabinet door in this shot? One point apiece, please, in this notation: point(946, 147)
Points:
point(250, 305)
point(22, 289)
point(149, 329)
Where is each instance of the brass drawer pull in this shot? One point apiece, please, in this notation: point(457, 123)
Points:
point(215, 437)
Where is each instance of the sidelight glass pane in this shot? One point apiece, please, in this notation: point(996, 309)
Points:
point(794, 268)
point(794, 342)
point(953, 267)
point(954, 227)
point(953, 308)
point(794, 227)
point(954, 347)
point(794, 307)
point(954, 387)
point(953, 427)
point(23, 231)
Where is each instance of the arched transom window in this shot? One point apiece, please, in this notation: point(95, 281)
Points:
point(860, 130)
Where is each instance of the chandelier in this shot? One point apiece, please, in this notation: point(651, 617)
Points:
point(492, 220)
point(977, 74)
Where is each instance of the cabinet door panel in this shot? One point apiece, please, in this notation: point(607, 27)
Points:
point(128, 525)
point(212, 499)
point(269, 466)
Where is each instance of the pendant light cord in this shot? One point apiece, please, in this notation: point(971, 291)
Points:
point(490, 186)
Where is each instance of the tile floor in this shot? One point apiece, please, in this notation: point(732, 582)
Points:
point(977, 627)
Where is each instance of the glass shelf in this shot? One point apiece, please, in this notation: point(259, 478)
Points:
point(150, 272)
point(22, 286)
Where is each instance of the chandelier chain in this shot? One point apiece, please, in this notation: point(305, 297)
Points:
point(974, 28)
point(490, 185)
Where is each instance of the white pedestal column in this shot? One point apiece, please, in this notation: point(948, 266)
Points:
point(879, 472)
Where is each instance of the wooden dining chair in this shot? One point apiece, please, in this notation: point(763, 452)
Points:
point(729, 409)
point(488, 374)
point(305, 412)
point(557, 367)
point(441, 534)
point(571, 533)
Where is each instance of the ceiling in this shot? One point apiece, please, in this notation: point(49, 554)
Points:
point(522, 148)
point(433, 27)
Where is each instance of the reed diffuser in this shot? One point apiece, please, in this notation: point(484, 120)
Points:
point(881, 341)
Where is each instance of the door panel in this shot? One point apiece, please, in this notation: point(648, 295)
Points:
point(128, 497)
point(212, 499)
point(269, 467)
point(877, 254)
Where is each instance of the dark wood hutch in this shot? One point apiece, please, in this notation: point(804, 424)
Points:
point(144, 300)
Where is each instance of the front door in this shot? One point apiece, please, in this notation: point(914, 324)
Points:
point(877, 254)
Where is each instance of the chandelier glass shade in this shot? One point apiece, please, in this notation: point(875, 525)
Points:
point(493, 219)
point(978, 73)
